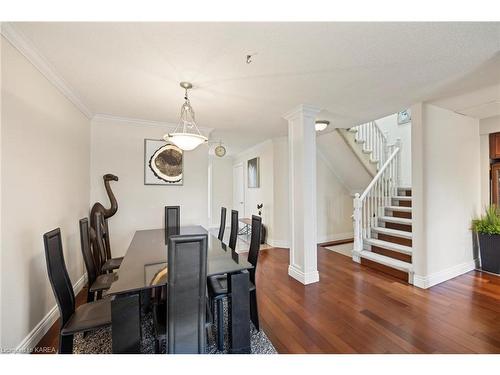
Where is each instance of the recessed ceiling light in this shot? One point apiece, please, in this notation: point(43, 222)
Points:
point(321, 125)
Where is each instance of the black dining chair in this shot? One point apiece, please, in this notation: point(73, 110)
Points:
point(233, 236)
point(97, 282)
point(172, 221)
point(86, 317)
point(181, 321)
point(222, 226)
point(106, 265)
point(217, 285)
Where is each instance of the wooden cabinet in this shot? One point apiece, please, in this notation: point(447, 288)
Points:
point(495, 183)
point(495, 146)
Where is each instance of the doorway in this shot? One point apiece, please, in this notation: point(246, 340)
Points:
point(239, 189)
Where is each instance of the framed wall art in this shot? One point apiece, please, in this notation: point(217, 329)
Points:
point(163, 163)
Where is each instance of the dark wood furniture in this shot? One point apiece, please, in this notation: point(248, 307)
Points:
point(222, 226)
point(495, 184)
point(233, 237)
point(495, 146)
point(86, 317)
point(182, 318)
point(97, 282)
point(218, 286)
point(172, 221)
point(102, 238)
point(146, 256)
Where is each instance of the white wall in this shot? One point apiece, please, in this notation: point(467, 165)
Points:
point(450, 194)
point(394, 131)
point(117, 147)
point(334, 204)
point(221, 188)
point(486, 126)
point(45, 154)
point(281, 226)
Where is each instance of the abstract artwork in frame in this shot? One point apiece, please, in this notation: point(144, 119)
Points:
point(253, 173)
point(163, 163)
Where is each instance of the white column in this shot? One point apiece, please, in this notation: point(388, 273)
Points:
point(302, 193)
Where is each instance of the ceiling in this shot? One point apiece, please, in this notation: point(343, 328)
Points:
point(355, 71)
point(480, 104)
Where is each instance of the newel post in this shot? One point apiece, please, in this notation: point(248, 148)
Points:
point(358, 237)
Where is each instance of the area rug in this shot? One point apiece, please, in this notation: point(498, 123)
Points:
point(99, 341)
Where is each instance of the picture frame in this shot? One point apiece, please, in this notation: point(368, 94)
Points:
point(253, 173)
point(163, 163)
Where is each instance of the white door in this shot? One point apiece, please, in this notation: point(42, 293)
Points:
point(239, 189)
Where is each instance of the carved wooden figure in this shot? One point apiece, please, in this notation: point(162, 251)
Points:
point(106, 213)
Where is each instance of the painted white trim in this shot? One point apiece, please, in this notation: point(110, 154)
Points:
point(278, 243)
point(28, 50)
point(335, 237)
point(137, 121)
point(36, 334)
point(425, 282)
point(304, 278)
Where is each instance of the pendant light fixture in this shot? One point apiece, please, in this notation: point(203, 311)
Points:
point(186, 135)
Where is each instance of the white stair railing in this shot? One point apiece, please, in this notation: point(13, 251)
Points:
point(370, 204)
point(374, 140)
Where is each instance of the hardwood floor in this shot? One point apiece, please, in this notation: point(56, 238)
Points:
point(356, 309)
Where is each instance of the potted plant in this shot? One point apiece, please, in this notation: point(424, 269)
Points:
point(487, 228)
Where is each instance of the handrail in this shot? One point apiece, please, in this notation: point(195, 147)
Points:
point(380, 173)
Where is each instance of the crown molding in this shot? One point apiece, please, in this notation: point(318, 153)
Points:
point(137, 121)
point(21, 43)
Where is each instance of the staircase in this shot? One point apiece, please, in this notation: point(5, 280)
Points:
point(383, 211)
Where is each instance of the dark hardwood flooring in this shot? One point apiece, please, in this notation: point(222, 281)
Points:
point(356, 309)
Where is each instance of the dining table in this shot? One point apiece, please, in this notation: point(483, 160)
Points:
point(145, 258)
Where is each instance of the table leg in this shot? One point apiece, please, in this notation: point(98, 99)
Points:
point(239, 313)
point(126, 323)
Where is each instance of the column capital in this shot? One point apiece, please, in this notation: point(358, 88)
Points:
point(306, 110)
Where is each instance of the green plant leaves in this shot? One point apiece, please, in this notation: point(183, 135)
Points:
point(488, 223)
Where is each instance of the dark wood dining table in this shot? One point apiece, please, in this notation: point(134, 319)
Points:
point(145, 257)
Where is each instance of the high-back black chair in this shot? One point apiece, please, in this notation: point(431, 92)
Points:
point(253, 251)
point(86, 317)
point(105, 264)
point(222, 226)
point(172, 221)
point(233, 236)
point(218, 290)
point(96, 282)
point(185, 313)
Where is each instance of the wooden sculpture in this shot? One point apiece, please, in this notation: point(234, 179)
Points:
point(106, 213)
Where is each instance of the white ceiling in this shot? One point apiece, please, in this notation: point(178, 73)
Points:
point(355, 71)
point(480, 104)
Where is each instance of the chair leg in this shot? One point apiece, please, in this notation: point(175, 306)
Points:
point(99, 295)
point(220, 324)
point(65, 344)
point(254, 311)
point(90, 296)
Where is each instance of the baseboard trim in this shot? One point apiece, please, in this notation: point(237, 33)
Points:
point(335, 237)
point(278, 243)
point(304, 278)
point(37, 333)
point(428, 281)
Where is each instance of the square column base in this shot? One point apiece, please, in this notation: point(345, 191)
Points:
point(304, 278)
